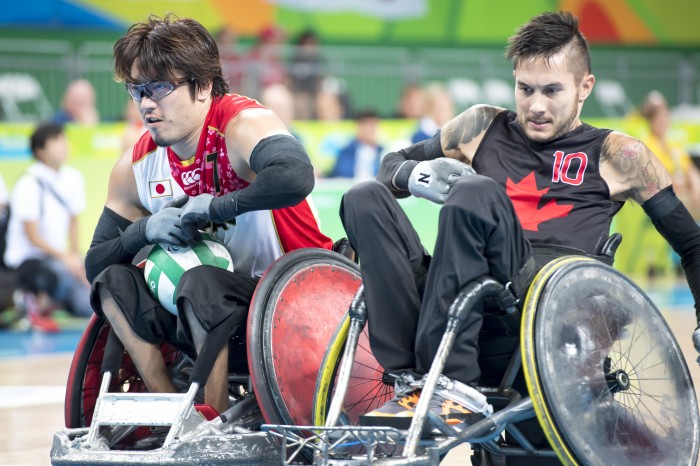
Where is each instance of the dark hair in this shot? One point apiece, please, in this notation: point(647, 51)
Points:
point(170, 49)
point(305, 36)
point(546, 35)
point(366, 114)
point(43, 133)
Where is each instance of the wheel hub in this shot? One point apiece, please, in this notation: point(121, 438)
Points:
point(617, 381)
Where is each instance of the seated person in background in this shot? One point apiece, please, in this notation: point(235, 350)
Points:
point(542, 175)
point(439, 108)
point(411, 102)
point(279, 99)
point(134, 128)
point(42, 236)
point(685, 176)
point(78, 104)
point(360, 158)
point(7, 280)
point(244, 174)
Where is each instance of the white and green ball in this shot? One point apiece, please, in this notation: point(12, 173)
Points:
point(166, 264)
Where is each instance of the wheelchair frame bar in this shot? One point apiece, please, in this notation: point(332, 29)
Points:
point(471, 294)
point(358, 318)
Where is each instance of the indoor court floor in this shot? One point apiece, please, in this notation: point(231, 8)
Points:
point(34, 368)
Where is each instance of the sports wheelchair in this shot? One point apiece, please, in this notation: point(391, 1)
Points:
point(603, 375)
point(111, 419)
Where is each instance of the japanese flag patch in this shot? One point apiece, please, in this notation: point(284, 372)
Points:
point(161, 188)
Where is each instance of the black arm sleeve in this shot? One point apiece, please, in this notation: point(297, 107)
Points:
point(674, 222)
point(116, 240)
point(284, 178)
point(396, 167)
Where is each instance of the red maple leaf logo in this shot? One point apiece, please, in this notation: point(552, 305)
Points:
point(526, 200)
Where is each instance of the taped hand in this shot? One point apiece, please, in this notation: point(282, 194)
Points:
point(196, 216)
point(433, 179)
point(164, 226)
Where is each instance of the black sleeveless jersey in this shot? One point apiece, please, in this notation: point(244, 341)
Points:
point(556, 187)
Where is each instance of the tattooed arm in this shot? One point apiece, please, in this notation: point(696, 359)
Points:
point(458, 139)
point(462, 135)
point(631, 170)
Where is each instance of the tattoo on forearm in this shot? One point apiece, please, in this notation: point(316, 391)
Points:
point(633, 163)
point(652, 182)
point(468, 125)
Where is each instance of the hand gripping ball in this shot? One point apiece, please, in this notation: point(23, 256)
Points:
point(166, 264)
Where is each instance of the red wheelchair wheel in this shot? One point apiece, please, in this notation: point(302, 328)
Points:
point(295, 311)
point(85, 374)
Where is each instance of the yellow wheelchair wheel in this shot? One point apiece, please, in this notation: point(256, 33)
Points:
point(606, 376)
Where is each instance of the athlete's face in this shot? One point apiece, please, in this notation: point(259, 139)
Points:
point(547, 97)
point(176, 119)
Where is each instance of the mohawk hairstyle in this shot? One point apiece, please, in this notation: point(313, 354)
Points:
point(546, 35)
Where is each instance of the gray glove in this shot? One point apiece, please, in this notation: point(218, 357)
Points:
point(196, 216)
point(696, 340)
point(433, 179)
point(164, 225)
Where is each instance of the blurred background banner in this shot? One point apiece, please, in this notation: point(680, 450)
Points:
point(396, 22)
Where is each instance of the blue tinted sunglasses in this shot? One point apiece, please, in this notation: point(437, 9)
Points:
point(154, 90)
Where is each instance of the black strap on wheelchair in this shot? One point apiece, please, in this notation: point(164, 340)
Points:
point(114, 351)
point(543, 253)
point(342, 246)
point(509, 298)
point(216, 339)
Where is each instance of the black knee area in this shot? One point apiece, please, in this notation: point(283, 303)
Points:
point(147, 318)
point(36, 276)
point(475, 190)
point(219, 299)
point(364, 195)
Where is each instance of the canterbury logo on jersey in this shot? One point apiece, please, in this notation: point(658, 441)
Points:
point(190, 177)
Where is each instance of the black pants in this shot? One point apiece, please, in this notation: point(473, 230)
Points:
point(408, 294)
point(219, 298)
point(478, 234)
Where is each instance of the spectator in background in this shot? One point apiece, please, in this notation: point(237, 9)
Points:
point(134, 125)
point(6, 276)
point(231, 66)
point(305, 72)
point(279, 99)
point(438, 109)
point(4, 218)
point(332, 100)
point(42, 237)
point(78, 104)
point(360, 158)
point(411, 102)
point(685, 175)
point(3, 198)
point(263, 65)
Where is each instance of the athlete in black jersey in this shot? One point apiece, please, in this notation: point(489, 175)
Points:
point(507, 180)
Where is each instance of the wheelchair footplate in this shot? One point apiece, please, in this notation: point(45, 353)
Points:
point(161, 429)
point(349, 446)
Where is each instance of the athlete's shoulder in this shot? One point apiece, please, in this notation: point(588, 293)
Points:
point(144, 146)
point(230, 105)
